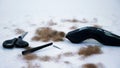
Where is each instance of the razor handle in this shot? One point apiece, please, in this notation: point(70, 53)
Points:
point(103, 36)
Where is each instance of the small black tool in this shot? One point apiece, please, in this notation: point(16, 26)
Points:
point(35, 49)
point(103, 36)
point(38, 48)
point(16, 42)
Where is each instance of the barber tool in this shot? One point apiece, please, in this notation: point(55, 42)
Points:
point(16, 42)
point(103, 36)
point(28, 51)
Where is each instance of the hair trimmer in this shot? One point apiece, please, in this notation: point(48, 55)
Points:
point(103, 36)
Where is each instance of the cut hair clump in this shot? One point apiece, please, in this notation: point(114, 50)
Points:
point(89, 65)
point(92, 65)
point(89, 50)
point(19, 31)
point(45, 34)
point(30, 57)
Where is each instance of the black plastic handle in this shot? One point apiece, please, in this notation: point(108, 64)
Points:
point(9, 43)
point(103, 36)
point(16, 42)
point(35, 49)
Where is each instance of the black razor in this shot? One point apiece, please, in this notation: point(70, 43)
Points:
point(103, 36)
